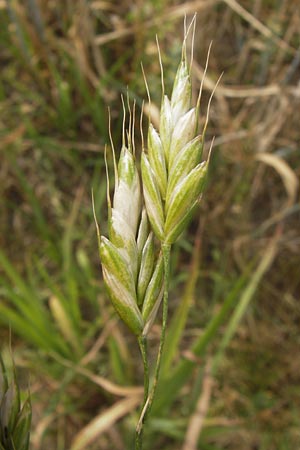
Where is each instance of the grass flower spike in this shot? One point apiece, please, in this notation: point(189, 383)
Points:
point(172, 172)
point(173, 178)
point(132, 275)
point(136, 276)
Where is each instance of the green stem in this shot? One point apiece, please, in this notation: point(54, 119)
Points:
point(142, 340)
point(166, 249)
point(143, 347)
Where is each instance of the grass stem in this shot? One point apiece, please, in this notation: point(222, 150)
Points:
point(142, 340)
point(144, 352)
point(166, 249)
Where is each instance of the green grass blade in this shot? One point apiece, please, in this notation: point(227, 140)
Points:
point(39, 220)
point(22, 327)
point(69, 268)
point(120, 365)
point(33, 315)
point(62, 311)
point(20, 295)
point(14, 277)
point(65, 325)
point(45, 338)
point(184, 369)
point(30, 318)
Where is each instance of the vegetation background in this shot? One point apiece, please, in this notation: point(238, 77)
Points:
point(235, 368)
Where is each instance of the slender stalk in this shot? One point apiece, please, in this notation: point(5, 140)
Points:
point(142, 340)
point(144, 351)
point(166, 248)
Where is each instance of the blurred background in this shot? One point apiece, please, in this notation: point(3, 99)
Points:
point(63, 64)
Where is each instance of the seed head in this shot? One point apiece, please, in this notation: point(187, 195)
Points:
point(182, 92)
point(157, 159)
point(127, 196)
point(128, 256)
point(172, 173)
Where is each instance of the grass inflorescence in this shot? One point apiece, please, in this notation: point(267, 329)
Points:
point(233, 316)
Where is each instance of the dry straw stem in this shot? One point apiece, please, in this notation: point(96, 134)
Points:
point(187, 8)
point(291, 185)
point(196, 421)
point(103, 422)
point(40, 428)
point(173, 13)
point(104, 383)
point(288, 176)
point(243, 91)
point(259, 26)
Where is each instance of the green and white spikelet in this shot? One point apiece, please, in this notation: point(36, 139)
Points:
point(132, 272)
point(172, 172)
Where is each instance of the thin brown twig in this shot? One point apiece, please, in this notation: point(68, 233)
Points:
point(103, 422)
point(258, 25)
point(171, 14)
point(243, 91)
point(98, 344)
point(104, 383)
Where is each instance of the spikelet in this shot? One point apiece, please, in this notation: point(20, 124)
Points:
point(172, 172)
point(131, 271)
point(15, 420)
